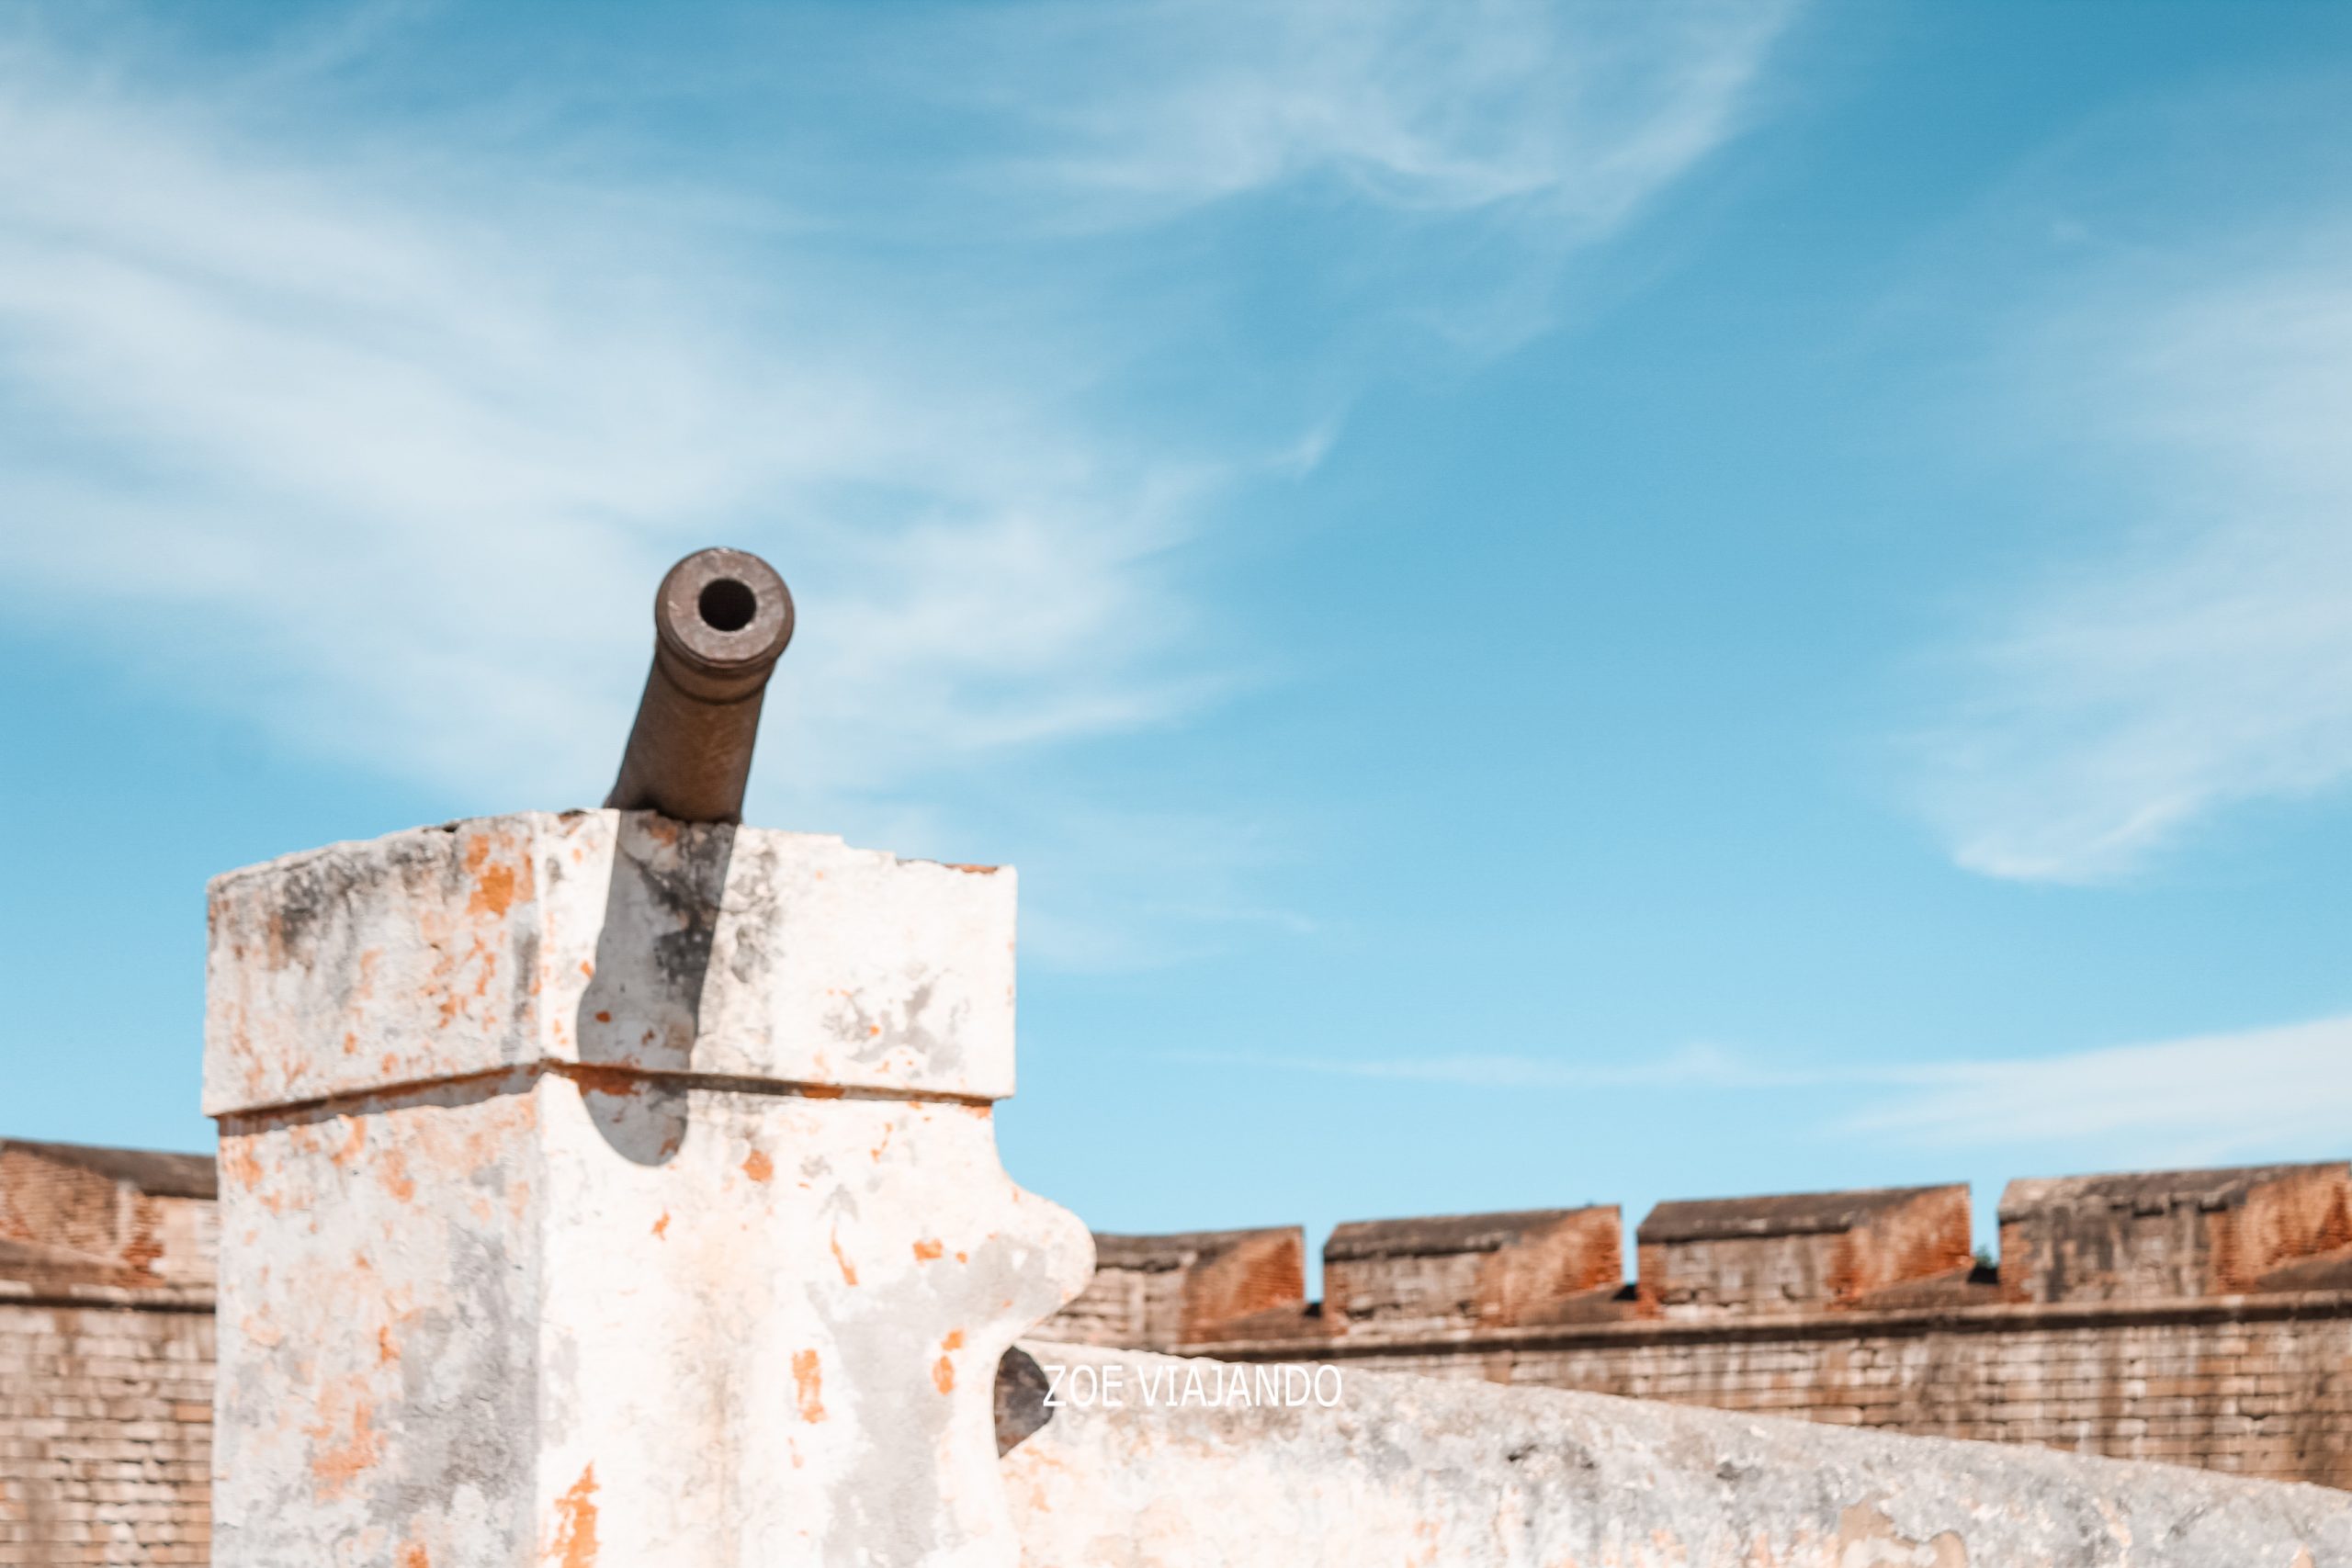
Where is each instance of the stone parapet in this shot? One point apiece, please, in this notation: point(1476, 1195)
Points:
point(75, 1212)
point(600, 1188)
point(1417, 1470)
point(2252, 1381)
point(2151, 1235)
point(1500, 1270)
point(2253, 1384)
point(1160, 1290)
point(1776, 1254)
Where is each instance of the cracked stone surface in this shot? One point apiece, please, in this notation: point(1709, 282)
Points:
point(1440, 1473)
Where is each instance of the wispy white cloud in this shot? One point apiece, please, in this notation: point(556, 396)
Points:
point(424, 460)
point(2200, 657)
point(2199, 1099)
point(2195, 1100)
point(1696, 1066)
point(383, 426)
point(1585, 109)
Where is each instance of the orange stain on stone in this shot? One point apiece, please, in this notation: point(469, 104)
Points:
point(943, 1370)
point(392, 1171)
point(661, 1225)
point(238, 1161)
point(575, 1524)
point(386, 1351)
point(758, 1167)
point(496, 886)
point(849, 1273)
point(807, 1385)
point(336, 1465)
point(926, 1250)
point(494, 892)
point(604, 1018)
point(415, 1556)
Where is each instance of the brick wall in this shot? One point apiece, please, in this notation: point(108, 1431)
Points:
point(106, 1425)
point(105, 1355)
point(1499, 1270)
point(71, 1213)
point(2155, 1235)
point(2203, 1317)
point(1153, 1292)
point(1748, 1255)
point(2258, 1386)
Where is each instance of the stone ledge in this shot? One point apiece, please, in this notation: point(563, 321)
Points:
point(140, 1298)
point(2008, 1317)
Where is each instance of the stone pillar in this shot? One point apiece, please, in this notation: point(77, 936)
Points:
point(600, 1189)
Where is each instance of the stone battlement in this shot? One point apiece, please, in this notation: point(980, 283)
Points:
point(2166, 1234)
point(2201, 1317)
point(2147, 1236)
point(81, 1214)
point(71, 1213)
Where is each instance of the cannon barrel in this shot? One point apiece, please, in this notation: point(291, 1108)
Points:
point(721, 619)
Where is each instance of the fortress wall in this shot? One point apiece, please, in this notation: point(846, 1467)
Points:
point(105, 1355)
point(1160, 1290)
point(2154, 1235)
point(2257, 1386)
point(1499, 1270)
point(106, 1425)
point(2203, 1318)
point(1744, 1255)
point(106, 1216)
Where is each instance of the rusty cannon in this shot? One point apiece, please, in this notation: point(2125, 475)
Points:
point(721, 619)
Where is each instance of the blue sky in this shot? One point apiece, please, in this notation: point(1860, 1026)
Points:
point(1556, 605)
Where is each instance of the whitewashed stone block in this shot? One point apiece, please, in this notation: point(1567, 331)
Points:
point(597, 1188)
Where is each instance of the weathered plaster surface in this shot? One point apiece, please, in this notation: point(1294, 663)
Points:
point(597, 1190)
point(1430, 1473)
point(606, 939)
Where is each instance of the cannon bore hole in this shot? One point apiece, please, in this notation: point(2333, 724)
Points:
point(727, 606)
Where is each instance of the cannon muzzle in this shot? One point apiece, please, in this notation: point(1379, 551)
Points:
point(721, 619)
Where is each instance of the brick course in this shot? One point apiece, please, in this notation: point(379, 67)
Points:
point(2255, 1385)
point(105, 1427)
